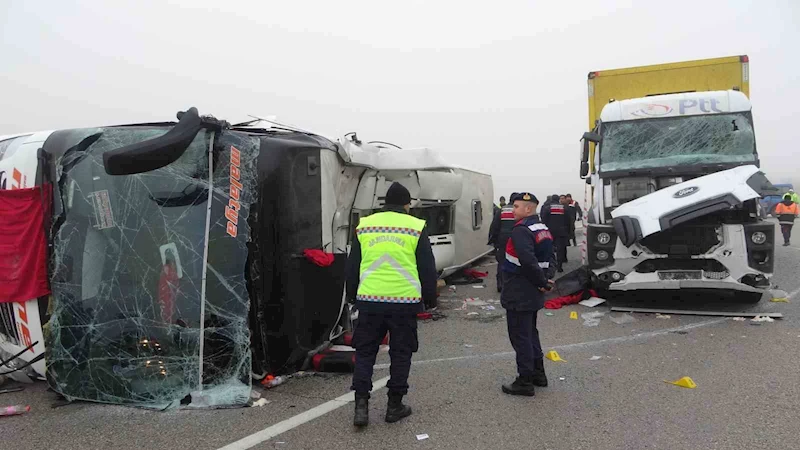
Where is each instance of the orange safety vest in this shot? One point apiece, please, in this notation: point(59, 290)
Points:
point(782, 210)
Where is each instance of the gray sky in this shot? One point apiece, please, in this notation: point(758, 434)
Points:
point(498, 86)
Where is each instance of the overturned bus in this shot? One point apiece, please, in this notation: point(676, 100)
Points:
point(183, 258)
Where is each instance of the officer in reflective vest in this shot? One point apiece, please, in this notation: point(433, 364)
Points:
point(391, 273)
point(787, 211)
point(528, 270)
point(499, 232)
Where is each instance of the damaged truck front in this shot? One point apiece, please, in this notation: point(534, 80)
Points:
point(675, 195)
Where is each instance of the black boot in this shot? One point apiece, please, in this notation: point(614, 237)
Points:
point(523, 385)
point(396, 409)
point(361, 416)
point(539, 378)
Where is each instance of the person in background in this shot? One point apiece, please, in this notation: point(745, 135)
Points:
point(527, 274)
point(787, 211)
point(502, 201)
point(391, 272)
point(570, 212)
point(555, 217)
point(795, 197)
point(578, 216)
point(499, 232)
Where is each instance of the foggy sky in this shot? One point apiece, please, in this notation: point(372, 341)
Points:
point(498, 86)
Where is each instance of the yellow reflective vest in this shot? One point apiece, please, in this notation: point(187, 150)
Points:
point(388, 272)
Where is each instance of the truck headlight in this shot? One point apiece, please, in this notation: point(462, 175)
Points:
point(602, 255)
point(603, 238)
point(758, 237)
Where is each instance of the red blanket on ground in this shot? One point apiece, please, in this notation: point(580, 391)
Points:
point(23, 249)
point(558, 302)
point(319, 257)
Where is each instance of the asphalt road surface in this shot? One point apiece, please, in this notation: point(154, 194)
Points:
point(747, 395)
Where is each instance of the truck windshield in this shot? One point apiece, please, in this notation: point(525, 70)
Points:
point(677, 141)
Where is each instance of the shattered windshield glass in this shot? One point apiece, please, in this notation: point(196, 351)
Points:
point(148, 307)
point(677, 141)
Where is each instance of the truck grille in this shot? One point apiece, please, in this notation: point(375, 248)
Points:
point(683, 240)
point(8, 326)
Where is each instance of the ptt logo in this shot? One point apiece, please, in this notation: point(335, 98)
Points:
point(705, 105)
point(652, 110)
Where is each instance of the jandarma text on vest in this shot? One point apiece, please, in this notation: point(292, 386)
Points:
point(392, 239)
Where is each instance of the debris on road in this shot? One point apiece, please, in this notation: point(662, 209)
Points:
point(548, 313)
point(592, 319)
point(260, 402)
point(10, 390)
point(472, 314)
point(488, 308)
point(451, 288)
point(685, 382)
point(623, 319)
point(480, 286)
point(14, 410)
point(475, 302)
point(779, 296)
point(553, 355)
point(663, 316)
point(592, 302)
point(562, 378)
point(595, 358)
point(422, 437)
point(739, 319)
point(468, 345)
point(762, 319)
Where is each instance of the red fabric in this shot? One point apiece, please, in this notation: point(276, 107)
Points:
point(565, 300)
point(475, 274)
point(318, 257)
point(23, 248)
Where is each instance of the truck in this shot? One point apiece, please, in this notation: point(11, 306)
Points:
point(673, 180)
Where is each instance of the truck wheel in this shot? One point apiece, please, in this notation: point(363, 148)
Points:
point(749, 297)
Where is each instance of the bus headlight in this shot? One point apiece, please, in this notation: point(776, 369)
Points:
point(602, 255)
point(758, 238)
point(603, 238)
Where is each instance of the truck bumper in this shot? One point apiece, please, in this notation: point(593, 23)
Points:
point(646, 281)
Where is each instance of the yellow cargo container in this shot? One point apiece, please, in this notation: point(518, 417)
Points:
point(717, 74)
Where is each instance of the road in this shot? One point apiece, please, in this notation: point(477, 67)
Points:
point(747, 395)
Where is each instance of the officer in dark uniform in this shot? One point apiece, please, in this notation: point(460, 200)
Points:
point(554, 215)
point(499, 233)
point(391, 272)
point(528, 271)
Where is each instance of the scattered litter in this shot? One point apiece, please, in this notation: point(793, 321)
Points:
point(260, 402)
point(478, 287)
point(573, 315)
point(712, 334)
point(591, 323)
point(623, 319)
point(779, 296)
point(475, 302)
point(488, 308)
point(475, 273)
point(255, 395)
point(663, 316)
point(468, 345)
point(472, 314)
point(548, 313)
point(679, 332)
point(592, 302)
point(422, 437)
point(493, 301)
point(451, 288)
point(762, 319)
point(8, 391)
point(739, 319)
point(553, 355)
point(14, 410)
point(683, 382)
point(595, 358)
point(562, 378)
point(271, 381)
point(592, 319)
point(463, 306)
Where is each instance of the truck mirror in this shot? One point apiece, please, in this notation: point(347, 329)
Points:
point(584, 169)
point(591, 137)
point(585, 152)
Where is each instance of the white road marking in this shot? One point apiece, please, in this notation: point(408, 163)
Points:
point(332, 405)
point(294, 422)
point(615, 340)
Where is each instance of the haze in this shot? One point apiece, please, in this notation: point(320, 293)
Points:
point(500, 87)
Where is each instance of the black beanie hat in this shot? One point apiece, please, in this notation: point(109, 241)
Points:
point(398, 195)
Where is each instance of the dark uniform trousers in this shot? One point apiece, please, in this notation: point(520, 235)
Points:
point(367, 337)
point(500, 256)
point(524, 338)
point(560, 243)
